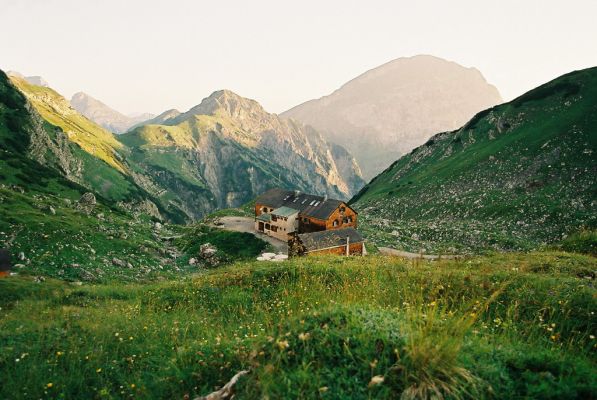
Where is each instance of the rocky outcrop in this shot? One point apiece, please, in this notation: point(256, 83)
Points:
point(391, 109)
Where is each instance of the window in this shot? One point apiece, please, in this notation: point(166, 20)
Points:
point(312, 202)
point(342, 209)
point(274, 218)
point(306, 220)
point(349, 219)
point(316, 204)
point(335, 222)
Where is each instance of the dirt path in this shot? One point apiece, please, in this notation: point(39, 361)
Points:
point(405, 254)
point(246, 224)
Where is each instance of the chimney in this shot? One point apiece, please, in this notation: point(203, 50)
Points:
point(347, 245)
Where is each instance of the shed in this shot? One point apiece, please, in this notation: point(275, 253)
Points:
point(5, 264)
point(345, 241)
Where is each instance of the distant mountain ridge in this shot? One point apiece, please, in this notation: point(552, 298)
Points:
point(182, 172)
point(104, 115)
point(518, 176)
point(389, 110)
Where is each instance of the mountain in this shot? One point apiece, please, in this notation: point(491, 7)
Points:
point(105, 116)
point(34, 80)
point(389, 110)
point(181, 172)
point(517, 176)
point(228, 149)
point(163, 118)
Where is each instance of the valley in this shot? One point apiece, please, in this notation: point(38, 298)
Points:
point(134, 261)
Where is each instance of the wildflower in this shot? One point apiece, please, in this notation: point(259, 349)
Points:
point(373, 363)
point(323, 389)
point(432, 304)
point(304, 336)
point(282, 344)
point(117, 334)
point(49, 385)
point(59, 353)
point(98, 370)
point(132, 385)
point(376, 380)
point(592, 337)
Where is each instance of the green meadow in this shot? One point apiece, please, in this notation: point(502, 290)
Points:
point(498, 326)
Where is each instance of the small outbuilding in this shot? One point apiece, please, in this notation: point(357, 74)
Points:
point(5, 265)
point(345, 241)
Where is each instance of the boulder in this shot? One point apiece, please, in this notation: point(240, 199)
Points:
point(118, 262)
point(87, 202)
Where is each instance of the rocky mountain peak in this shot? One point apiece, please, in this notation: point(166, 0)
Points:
point(226, 102)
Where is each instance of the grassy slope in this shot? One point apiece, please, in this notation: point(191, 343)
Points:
point(56, 110)
point(101, 168)
point(68, 243)
point(517, 176)
point(509, 326)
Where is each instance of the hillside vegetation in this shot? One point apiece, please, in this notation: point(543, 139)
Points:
point(507, 326)
point(518, 176)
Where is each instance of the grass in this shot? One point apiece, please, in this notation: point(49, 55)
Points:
point(501, 326)
point(231, 246)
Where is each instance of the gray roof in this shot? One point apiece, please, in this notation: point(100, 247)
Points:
point(284, 211)
point(331, 238)
point(307, 204)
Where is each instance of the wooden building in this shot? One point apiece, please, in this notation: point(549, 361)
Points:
point(5, 264)
point(344, 241)
point(314, 213)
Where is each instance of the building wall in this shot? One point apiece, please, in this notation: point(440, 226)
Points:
point(279, 228)
point(340, 217)
point(355, 249)
point(307, 224)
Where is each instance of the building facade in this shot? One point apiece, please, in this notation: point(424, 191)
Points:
point(314, 213)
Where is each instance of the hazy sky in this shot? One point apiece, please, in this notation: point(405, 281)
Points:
point(150, 55)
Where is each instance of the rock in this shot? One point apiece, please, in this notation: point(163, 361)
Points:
point(192, 261)
point(207, 250)
point(268, 256)
point(21, 256)
point(51, 210)
point(88, 199)
point(100, 216)
point(118, 262)
point(39, 279)
point(19, 265)
point(87, 202)
point(157, 226)
point(129, 265)
point(226, 392)
point(67, 202)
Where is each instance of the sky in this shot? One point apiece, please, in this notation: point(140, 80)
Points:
point(149, 55)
